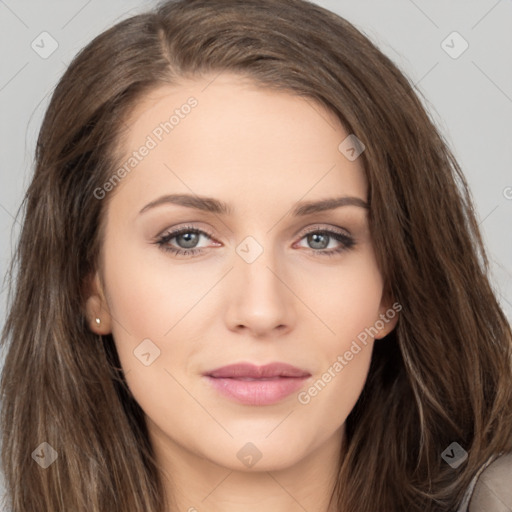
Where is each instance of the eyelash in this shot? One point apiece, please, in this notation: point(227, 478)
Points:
point(346, 241)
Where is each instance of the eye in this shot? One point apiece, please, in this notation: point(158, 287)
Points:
point(185, 241)
point(186, 238)
point(319, 240)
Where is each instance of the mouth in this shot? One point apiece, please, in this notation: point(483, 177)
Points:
point(248, 384)
point(250, 371)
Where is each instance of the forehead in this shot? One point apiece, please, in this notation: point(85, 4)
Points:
point(227, 136)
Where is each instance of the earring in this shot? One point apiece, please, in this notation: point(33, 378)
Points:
point(98, 321)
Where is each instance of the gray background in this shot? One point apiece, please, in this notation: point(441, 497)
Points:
point(470, 97)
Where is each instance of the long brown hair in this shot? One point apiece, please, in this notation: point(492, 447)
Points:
point(443, 375)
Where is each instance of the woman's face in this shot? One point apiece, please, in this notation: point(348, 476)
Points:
point(266, 278)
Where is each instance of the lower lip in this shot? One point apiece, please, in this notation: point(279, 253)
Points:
point(257, 392)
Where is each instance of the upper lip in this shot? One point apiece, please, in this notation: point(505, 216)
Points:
point(254, 372)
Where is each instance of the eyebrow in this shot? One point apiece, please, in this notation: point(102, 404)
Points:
point(209, 204)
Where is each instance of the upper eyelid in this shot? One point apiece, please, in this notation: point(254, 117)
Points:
point(185, 229)
point(319, 227)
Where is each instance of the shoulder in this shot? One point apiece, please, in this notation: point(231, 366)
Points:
point(493, 489)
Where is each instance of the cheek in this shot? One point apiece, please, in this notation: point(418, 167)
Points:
point(144, 305)
point(152, 306)
point(347, 299)
point(148, 298)
point(348, 304)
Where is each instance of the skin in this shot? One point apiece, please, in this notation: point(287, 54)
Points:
point(260, 151)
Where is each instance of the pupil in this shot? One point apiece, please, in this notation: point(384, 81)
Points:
point(190, 240)
point(317, 238)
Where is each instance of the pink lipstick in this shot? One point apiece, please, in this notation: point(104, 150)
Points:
point(257, 385)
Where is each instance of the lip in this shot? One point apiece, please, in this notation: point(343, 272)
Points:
point(249, 370)
point(257, 385)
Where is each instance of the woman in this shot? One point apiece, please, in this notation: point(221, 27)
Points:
point(249, 276)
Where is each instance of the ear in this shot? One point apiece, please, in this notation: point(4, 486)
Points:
point(96, 307)
point(388, 315)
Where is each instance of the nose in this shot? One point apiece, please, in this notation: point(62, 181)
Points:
point(261, 301)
